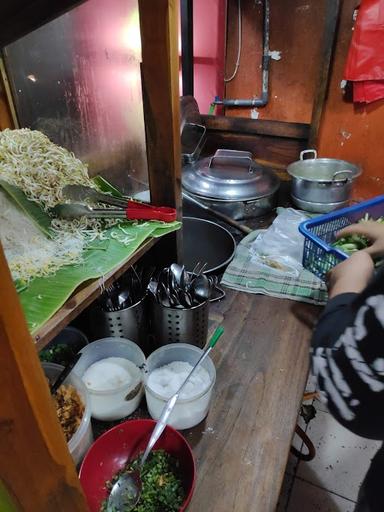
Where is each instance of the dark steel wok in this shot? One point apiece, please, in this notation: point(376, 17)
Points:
point(206, 241)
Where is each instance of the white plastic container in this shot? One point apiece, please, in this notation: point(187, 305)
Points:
point(83, 437)
point(187, 412)
point(110, 405)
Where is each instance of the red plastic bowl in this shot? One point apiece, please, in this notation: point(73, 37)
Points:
point(123, 442)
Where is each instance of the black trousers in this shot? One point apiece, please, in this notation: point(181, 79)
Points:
point(371, 494)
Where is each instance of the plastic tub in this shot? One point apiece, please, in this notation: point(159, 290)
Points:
point(121, 401)
point(187, 412)
point(83, 437)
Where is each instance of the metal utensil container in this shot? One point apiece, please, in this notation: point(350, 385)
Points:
point(126, 323)
point(180, 325)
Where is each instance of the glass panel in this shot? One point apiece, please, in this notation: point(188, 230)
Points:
point(77, 79)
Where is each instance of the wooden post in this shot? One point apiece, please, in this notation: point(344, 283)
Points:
point(329, 35)
point(8, 118)
point(160, 82)
point(35, 465)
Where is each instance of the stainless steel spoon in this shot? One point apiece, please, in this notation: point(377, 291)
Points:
point(126, 492)
point(200, 288)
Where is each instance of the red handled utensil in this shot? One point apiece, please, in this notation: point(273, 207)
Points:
point(133, 211)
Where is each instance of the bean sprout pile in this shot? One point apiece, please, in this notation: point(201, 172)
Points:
point(40, 168)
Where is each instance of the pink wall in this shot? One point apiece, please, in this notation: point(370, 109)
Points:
point(209, 18)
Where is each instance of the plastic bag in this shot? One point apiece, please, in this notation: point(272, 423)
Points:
point(281, 246)
point(365, 63)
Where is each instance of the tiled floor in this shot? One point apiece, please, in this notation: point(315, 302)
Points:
point(331, 481)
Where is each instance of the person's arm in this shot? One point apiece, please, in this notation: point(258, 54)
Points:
point(348, 347)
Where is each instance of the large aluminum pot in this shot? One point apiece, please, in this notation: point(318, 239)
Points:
point(321, 184)
point(232, 183)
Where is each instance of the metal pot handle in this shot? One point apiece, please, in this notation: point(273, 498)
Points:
point(345, 180)
point(234, 156)
point(307, 152)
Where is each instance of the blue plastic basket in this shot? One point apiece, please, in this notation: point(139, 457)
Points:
point(319, 256)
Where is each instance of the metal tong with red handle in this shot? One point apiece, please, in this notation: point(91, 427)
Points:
point(76, 210)
point(144, 211)
point(133, 210)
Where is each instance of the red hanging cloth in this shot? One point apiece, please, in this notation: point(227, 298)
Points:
point(365, 62)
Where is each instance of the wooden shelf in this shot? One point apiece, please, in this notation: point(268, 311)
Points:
point(83, 297)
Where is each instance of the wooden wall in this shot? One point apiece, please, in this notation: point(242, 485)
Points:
point(295, 30)
point(350, 132)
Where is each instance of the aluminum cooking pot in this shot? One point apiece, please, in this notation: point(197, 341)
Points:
point(321, 184)
point(232, 183)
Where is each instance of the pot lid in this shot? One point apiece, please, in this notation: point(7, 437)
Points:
point(229, 176)
point(322, 169)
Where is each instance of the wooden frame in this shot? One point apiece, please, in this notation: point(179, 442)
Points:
point(35, 466)
point(288, 138)
point(329, 36)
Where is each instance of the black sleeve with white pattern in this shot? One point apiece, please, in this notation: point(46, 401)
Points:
point(348, 359)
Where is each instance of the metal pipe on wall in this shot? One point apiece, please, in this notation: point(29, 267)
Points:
point(263, 99)
point(186, 16)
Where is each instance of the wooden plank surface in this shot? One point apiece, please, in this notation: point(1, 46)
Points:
point(35, 465)
point(280, 150)
point(243, 125)
point(83, 297)
point(262, 361)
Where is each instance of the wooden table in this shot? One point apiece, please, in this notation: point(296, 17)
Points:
point(262, 363)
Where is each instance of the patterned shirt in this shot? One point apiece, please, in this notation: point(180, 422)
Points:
point(348, 359)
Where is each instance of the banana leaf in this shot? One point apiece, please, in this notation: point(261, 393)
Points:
point(45, 295)
point(104, 186)
point(7, 504)
point(30, 208)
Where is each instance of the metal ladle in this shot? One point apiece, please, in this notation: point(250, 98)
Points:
point(126, 492)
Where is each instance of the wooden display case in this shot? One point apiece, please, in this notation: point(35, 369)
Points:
point(36, 469)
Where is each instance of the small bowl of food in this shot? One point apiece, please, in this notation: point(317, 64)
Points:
point(73, 411)
point(111, 369)
point(166, 369)
point(168, 476)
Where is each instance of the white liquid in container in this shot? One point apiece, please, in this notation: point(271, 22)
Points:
point(115, 387)
point(193, 403)
point(167, 379)
point(109, 374)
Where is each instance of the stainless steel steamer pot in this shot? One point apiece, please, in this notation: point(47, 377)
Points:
point(232, 183)
point(321, 184)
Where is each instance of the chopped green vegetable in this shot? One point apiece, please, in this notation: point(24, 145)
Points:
point(59, 354)
point(353, 243)
point(162, 488)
